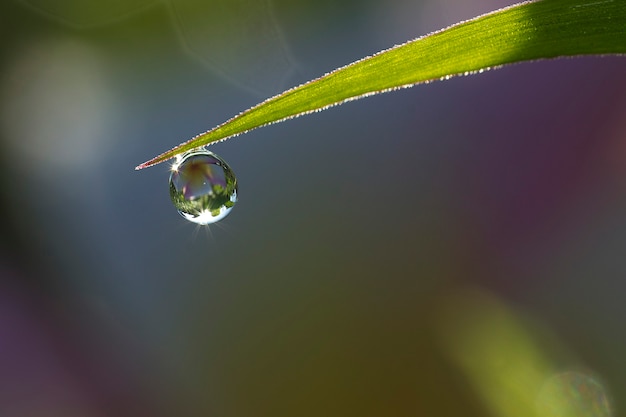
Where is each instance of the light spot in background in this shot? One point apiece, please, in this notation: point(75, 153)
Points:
point(495, 351)
point(85, 13)
point(573, 394)
point(55, 106)
point(240, 40)
point(507, 361)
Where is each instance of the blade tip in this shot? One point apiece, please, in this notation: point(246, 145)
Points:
point(146, 164)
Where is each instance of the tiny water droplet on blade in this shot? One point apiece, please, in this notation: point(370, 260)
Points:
point(203, 188)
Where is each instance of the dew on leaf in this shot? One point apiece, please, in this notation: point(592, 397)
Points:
point(203, 188)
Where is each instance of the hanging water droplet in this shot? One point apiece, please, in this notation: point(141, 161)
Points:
point(203, 188)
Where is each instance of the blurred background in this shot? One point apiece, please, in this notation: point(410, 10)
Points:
point(455, 249)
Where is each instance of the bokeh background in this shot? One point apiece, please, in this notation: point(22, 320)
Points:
point(455, 249)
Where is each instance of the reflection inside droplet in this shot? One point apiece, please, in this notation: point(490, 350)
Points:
point(573, 394)
point(203, 188)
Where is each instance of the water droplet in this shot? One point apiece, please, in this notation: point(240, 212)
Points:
point(203, 188)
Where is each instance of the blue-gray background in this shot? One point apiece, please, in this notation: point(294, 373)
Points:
point(319, 294)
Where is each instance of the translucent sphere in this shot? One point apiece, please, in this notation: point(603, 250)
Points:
point(203, 188)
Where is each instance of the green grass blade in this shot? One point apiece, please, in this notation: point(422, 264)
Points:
point(523, 32)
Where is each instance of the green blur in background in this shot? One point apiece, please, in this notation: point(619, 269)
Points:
point(451, 250)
